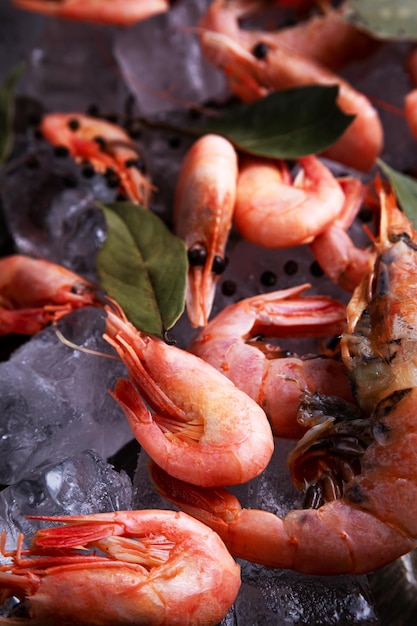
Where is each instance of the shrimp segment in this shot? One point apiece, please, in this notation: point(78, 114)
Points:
point(204, 429)
point(119, 12)
point(34, 293)
point(275, 212)
point(157, 568)
point(335, 539)
point(203, 212)
point(254, 72)
point(107, 147)
point(273, 377)
point(357, 463)
point(342, 261)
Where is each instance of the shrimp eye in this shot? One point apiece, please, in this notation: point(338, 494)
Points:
point(197, 256)
point(260, 50)
point(219, 265)
point(101, 142)
point(73, 123)
point(78, 289)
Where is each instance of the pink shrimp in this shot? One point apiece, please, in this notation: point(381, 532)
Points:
point(343, 262)
point(153, 568)
point(203, 428)
point(254, 72)
point(358, 463)
point(34, 293)
point(119, 12)
point(203, 211)
point(273, 377)
point(106, 146)
point(275, 212)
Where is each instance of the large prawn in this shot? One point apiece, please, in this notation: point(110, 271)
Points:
point(358, 463)
point(270, 65)
point(274, 211)
point(202, 428)
point(35, 293)
point(104, 146)
point(152, 568)
point(120, 12)
point(204, 205)
point(234, 343)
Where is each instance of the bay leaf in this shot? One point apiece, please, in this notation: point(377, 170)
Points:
point(143, 266)
point(384, 19)
point(405, 188)
point(285, 124)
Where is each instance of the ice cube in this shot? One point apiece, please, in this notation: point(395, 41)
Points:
point(77, 485)
point(58, 218)
point(55, 401)
point(176, 73)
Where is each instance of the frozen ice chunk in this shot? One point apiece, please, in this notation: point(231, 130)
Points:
point(57, 217)
point(175, 73)
point(55, 401)
point(77, 485)
point(71, 67)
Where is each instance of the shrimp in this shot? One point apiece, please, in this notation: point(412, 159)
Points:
point(357, 461)
point(153, 567)
point(273, 377)
point(326, 38)
point(343, 262)
point(274, 212)
point(204, 205)
point(106, 146)
point(118, 12)
point(34, 293)
point(203, 428)
point(253, 72)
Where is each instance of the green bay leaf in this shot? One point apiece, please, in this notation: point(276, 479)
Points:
point(384, 19)
point(143, 266)
point(7, 93)
point(285, 124)
point(405, 189)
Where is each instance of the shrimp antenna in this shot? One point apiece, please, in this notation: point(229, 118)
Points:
point(74, 346)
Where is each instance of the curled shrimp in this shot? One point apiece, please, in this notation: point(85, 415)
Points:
point(202, 427)
point(119, 12)
point(204, 204)
point(34, 293)
point(357, 462)
point(254, 71)
point(273, 211)
point(234, 343)
point(103, 145)
point(344, 263)
point(152, 567)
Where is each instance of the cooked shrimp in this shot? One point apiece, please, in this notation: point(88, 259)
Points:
point(275, 212)
point(253, 73)
point(358, 464)
point(153, 568)
point(204, 203)
point(274, 377)
point(203, 428)
point(326, 37)
point(105, 146)
point(342, 261)
point(119, 12)
point(34, 293)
